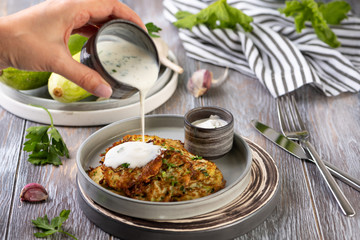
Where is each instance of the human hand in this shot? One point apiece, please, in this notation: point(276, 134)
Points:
point(36, 38)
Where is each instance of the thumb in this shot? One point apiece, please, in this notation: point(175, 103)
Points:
point(83, 76)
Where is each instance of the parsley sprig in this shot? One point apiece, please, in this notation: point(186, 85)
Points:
point(45, 144)
point(48, 228)
point(320, 15)
point(217, 15)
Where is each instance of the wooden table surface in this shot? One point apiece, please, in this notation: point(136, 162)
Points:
point(306, 209)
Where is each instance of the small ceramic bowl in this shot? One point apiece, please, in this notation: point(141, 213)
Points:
point(113, 31)
point(209, 143)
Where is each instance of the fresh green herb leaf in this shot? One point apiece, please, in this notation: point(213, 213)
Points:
point(152, 29)
point(196, 158)
point(204, 171)
point(75, 43)
point(173, 183)
point(125, 165)
point(320, 15)
point(45, 144)
point(334, 12)
point(217, 15)
point(48, 228)
point(57, 142)
point(170, 165)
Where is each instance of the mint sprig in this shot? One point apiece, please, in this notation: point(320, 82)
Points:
point(45, 144)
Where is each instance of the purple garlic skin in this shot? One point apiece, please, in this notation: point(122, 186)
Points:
point(199, 82)
point(33, 192)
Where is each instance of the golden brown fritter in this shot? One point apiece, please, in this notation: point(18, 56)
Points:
point(175, 175)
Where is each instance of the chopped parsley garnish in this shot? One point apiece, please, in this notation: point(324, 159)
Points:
point(125, 165)
point(196, 158)
point(169, 165)
point(174, 182)
point(204, 172)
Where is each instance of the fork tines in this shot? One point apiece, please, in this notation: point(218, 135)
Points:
point(289, 117)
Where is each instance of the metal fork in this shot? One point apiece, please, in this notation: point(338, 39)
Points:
point(293, 127)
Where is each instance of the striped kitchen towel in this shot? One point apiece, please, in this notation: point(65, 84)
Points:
point(282, 59)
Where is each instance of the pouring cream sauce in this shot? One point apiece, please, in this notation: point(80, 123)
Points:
point(132, 65)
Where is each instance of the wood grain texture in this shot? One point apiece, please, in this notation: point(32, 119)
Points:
point(59, 181)
point(306, 209)
point(336, 138)
point(11, 132)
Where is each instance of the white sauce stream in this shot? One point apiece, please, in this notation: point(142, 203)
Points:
point(134, 66)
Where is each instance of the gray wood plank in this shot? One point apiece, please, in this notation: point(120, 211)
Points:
point(17, 5)
point(11, 131)
point(61, 186)
point(3, 8)
point(334, 127)
point(306, 209)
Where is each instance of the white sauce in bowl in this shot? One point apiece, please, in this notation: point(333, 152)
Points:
point(214, 121)
point(128, 63)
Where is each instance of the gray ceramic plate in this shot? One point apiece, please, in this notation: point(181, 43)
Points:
point(235, 167)
point(248, 210)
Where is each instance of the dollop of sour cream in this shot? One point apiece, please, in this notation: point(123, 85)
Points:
point(214, 121)
point(134, 154)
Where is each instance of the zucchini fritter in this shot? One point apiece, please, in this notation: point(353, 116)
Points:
point(175, 175)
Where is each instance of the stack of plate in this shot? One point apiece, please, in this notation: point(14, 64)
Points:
point(250, 194)
point(88, 112)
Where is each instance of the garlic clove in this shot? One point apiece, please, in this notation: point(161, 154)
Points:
point(199, 82)
point(33, 192)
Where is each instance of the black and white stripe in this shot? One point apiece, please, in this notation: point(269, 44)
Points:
point(282, 59)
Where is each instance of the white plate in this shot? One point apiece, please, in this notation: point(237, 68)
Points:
point(87, 112)
point(235, 167)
